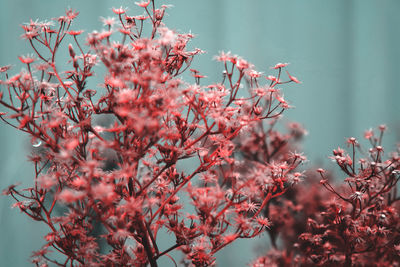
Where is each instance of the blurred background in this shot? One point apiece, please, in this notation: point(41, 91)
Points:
point(346, 53)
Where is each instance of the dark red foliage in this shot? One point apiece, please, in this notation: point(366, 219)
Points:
point(356, 223)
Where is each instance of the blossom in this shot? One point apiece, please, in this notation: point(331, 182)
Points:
point(368, 134)
point(280, 65)
point(168, 37)
point(351, 141)
point(143, 4)
point(30, 33)
point(292, 78)
point(254, 74)
point(46, 181)
point(71, 14)
point(119, 11)
point(5, 68)
point(10, 189)
point(109, 21)
point(271, 78)
point(382, 127)
point(242, 64)
point(224, 57)
point(26, 59)
point(70, 195)
point(264, 222)
point(104, 192)
point(75, 33)
point(141, 17)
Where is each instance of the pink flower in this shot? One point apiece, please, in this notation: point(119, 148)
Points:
point(70, 195)
point(368, 134)
point(119, 11)
point(71, 14)
point(351, 141)
point(75, 33)
point(264, 222)
point(271, 78)
point(108, 21)
point(242, 64)
point(168, 37)
point(47, 181)
point(5, 68)
point(280, 65)
point(254, 74)
point(104, 192)
point(141, 17)
point(292, 78)
point(280, 99)
point(224, 57)
point(27, 59)
point(143, 4)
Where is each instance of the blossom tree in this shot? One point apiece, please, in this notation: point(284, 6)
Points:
point(124, 176)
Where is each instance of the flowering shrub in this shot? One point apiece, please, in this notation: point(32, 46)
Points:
point(356, 224)
point(111, 163)
point(108, 161)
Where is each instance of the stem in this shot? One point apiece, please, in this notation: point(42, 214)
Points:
point(168, 250)
point(146, 243)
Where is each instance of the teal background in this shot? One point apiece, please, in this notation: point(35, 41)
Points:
point(346, 53)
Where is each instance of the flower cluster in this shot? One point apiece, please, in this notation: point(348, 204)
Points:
point(108, 161)
point(356, 224)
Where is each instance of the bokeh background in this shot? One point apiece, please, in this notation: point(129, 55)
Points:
point(346, 53)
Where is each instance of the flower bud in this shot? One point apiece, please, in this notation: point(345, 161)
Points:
point(71, 51)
